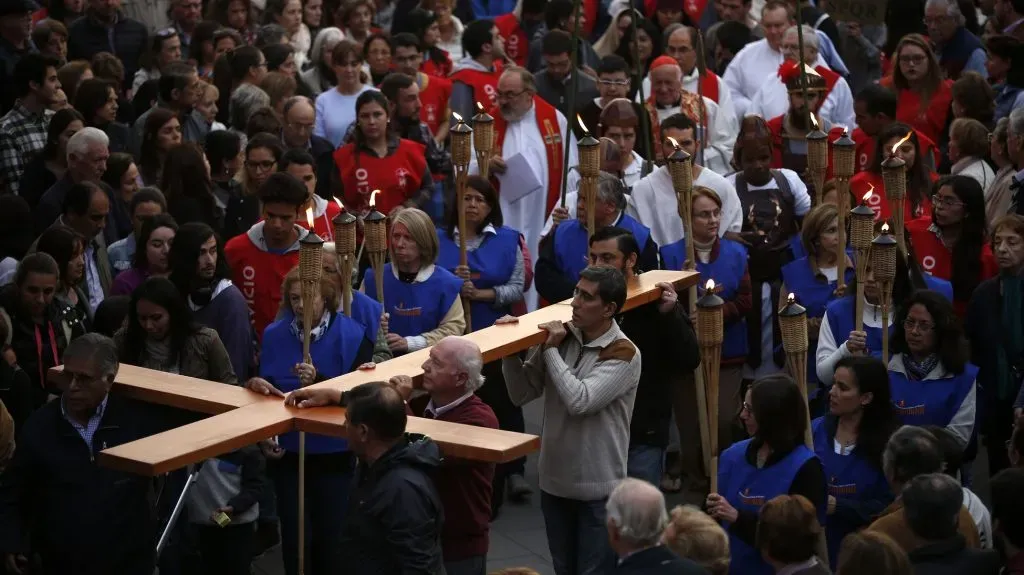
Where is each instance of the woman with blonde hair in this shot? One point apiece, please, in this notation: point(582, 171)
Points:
point(925, 98)
point(693, 534)
point(968, 146)
point(422, 299)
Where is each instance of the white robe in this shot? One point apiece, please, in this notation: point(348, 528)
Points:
point(772, 101)
point(631, 175)
point(690, 85)
point(723, 128)
point(653, 203)
point(752, 68)
point(527, 214)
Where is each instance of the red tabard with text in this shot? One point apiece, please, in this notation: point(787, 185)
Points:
point(397, 176)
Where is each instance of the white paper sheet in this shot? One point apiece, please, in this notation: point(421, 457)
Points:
point(519, 180)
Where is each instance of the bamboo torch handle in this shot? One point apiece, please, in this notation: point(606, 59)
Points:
point(701, 391)
point(460, 191)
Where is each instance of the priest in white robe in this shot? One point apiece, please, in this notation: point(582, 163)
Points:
point(772, 100)
point(653, 201)
point(530, 135)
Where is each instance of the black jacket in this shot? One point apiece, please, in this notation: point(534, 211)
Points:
point(84, 519)
point(394, 519)
point(16, 393)
point(657, 561)
point(952, 557)
point(88, 37)
point(242, 213)
point(669, 345)
point(323, 152)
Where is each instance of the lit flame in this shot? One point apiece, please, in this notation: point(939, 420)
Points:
point(309, 217)
point(814, 122)
point(675, 144)
point(458, 118)
point(867, 196)
point(373, 198)
point(710, 287)
point(791, 299)
point(480, 107)
point(337, 201)
point(582, 125)
point(897, 145)
point(885, 228)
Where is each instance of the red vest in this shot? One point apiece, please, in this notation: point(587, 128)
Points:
point(931, 121)
point(866, 149)
point(434, 95)
point(322, 224)
point(432, 68)
point(863, 181)
point(695, 11)
point(937, 260)
point(259, 273)
point(484, 84)
point(775, 125)
point(517, 45)
point(397, 176)
point(547, 125)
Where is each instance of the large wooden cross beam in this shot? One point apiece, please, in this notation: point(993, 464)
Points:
point(241, 417)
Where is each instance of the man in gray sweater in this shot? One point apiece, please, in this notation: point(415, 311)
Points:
point(587, 371)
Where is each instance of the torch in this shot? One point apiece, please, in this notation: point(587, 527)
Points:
point(894, 175)
point(311, 262)
point(883, 267)
point(793, 323)
point(590, 167)
point(460, 159)
point(345, 252)
point(375, 237)
point(843, 156)
point(709, 337)
point(862, 226)
point(483, 140)
point(817, 159)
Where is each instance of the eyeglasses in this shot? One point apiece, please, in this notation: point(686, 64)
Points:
point(946, 201)
point(621, 83)
point(915, 59)
point(746, 407)
point(263, 165)
point(300, 127)
point(921, 326)
point(510, 95)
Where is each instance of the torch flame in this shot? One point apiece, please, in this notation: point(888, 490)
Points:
point(582, 125)
point(458, 118)
point(710, 287)
point(791, 299)
point(901, 142)
point(337, 201)
point(814, 122)
point(885, 228)
point(309, 217)
point(373, 198)
point(867, 196)
point(675, 144)
point(480, 107)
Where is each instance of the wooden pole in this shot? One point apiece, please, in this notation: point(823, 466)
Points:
point(310, 271)
point(575, 83)
point(645, 120)
point(460, 192)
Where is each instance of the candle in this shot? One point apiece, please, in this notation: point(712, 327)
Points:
point(375, 236)
point(793, 323)
point(590, 152)
point(310, 252)
point(883, 267)
point(679, 167)
point(894, 176)
point(483, 130)
point(709, 336)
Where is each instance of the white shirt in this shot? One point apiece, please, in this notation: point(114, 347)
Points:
point(830, 351)
point(722, 131)
point(976, 169)
point(772, 101)
point(752, 68)
point(801, 198)
point(527, 214)
point(437, 412)
point(92, 278)
point(653, 203)
point(690, 84)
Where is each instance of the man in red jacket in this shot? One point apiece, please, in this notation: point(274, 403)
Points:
point(260, 258)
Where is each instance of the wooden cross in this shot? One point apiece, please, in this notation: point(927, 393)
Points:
point(241, 417)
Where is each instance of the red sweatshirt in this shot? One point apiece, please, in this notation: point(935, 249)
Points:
point(324, 212)
point(259, 273)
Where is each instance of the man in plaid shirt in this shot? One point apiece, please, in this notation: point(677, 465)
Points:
point(23, 129)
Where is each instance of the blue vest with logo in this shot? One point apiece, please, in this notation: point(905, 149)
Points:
point(416, 308)
point(367, 312)
point(333, 354)
point(748, 488)
point(849, 477)
point(930, 401)
point(572, 244)
point(490, 265)
point(727, 271)
point(840, 319)
point(814, 293)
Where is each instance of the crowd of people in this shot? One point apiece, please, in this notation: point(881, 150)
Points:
point(161, 162)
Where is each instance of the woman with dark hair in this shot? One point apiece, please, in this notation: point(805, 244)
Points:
point(1005, 66)
point(160, 334)
point(96, 100)
point(188, 188)
point(973, 98)
point(243, 65)
point(423, 24)
point(122, 175)
point(263, 154)
point(235, 15)
point(337, 347)
point(313, 16)
point(953, 244)
point(224, 154)
point(201, 47)
point(281, 58)
point(355, 18)
point(161, 133)
point(930, 378)
point(648, 40)
point(288, 14)
point(788, 533)
point(335, 109)
point(49, 165)
point(164, 48)
point(151, 256)
point(320, 77)
point(375, 160)
point(72, 74)
point(773, 462)
point(917, 203)
point(67, 248)
point(924, 96)
point(994, 325)
point(849, 440)
point(377, 55)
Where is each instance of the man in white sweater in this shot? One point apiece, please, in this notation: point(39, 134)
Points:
point(588, 372)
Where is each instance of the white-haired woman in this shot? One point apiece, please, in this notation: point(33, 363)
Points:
point(320, 76)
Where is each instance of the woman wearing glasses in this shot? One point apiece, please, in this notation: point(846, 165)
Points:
point(920, 176)
point(262, 154)
point(930, 379)
point(925, 97)
point(953, 244)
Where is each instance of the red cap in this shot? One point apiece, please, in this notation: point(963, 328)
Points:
point(663, 61)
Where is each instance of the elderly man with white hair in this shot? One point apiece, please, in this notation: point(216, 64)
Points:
point(958, 49)
point(636, 520)
point(87, 153)
point(772, 100)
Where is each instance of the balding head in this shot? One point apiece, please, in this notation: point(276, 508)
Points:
point(453, 369)
point(299, 117)
point(681, 45)
point(791, 45)
point(636, 516)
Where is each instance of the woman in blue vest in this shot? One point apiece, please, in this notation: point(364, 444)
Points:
point(724, 261)
point(931, 380)
point(830, 196)
point(812, 279)
point(493, 281)
point(365, 310)
point(849, 441)
point(421, 299)
point(774, 461)
point(338, 345)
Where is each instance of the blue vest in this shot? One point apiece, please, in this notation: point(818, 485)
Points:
point(490, 265)
point(944, 287)
point(334, 354)
point(748, 488)
point(796, 247)
point(814, 294)
point(367, 311)
point(849, 477)
point(416, 308)
point(840, 319)
point(932, 401)
point(572, 244)
point(727, 271)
